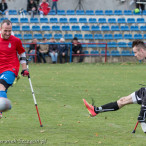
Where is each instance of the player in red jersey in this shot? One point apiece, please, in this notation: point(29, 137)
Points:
point(10, 47)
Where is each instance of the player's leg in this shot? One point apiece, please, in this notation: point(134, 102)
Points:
point(112, 106)
point(6, 80)
point(2, 94)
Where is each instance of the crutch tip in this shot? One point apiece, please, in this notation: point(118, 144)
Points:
point(41, 125)
point(133, 131)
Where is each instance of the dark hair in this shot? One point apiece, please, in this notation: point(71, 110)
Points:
point(44, 39)
point(139, 44)
point(6, 21)
point(75, 38)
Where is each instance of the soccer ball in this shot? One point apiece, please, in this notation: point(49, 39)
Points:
point(5, 104)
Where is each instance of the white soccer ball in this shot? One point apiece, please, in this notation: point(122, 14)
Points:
point(5, 104)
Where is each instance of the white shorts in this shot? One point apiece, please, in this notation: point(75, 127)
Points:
point(138, 95)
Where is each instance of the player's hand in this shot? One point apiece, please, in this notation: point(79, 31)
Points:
point(25, 73)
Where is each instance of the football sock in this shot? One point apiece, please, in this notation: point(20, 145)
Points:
point(113, 106)
point(3, 94)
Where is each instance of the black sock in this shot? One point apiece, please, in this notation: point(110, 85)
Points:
point(113, 106)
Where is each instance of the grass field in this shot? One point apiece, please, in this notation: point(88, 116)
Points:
point(59, 91)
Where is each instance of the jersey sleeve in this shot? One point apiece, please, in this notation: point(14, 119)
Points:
point(20, 48)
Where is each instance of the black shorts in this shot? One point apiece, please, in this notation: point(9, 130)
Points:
point(138, 95)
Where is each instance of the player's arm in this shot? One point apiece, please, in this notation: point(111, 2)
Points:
point(22, 55)
point(25, 71)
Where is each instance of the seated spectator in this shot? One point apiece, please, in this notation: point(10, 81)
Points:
point(36, 1)
point(141, 6)
point(54, 4)
point(53, 50)
point(32, 8)
point(44, 48)
point(63, 50)
point(31, 51)
point(44, 8)
point(4, 8)
point(21, 12)
point(77, 49)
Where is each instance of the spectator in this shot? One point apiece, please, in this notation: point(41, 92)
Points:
point(44, 8)
point(44, 48)
point(53, 50)
point(32, 8)
point(54, 4)
point(31, 51)
point(36, 1)
point(4, 8)
point(77, 49)
point(22, 13)
point(141, 6)
point(63, 50)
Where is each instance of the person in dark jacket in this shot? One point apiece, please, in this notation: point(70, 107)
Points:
point(53, 50)
point(63, 50)
point(4, 8)
point(77, 49)
point(36, 1)
point(32, 8)
point(32, 50)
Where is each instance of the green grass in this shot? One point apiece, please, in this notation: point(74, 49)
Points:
point(59, 91)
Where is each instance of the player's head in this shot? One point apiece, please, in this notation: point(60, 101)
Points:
point(139, 49)
point(6, 28)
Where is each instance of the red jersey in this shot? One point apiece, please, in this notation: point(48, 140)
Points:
point(8, 54)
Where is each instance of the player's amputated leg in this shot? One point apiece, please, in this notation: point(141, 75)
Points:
point(93, 110)
point(112, 106)
point(138, 97)
point(4, 95)
point(6, 80)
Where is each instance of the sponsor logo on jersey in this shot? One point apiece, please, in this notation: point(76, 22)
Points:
point(9, 45)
